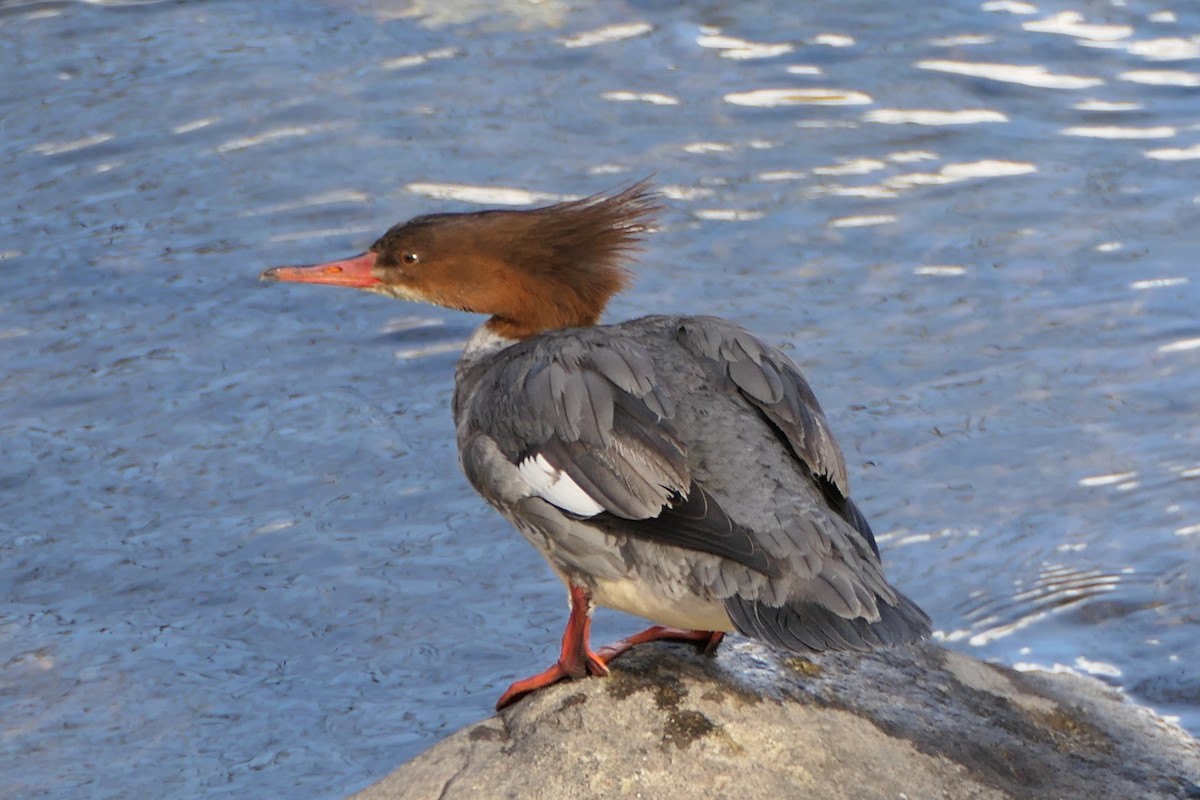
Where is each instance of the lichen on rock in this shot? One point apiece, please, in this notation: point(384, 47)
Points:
point(750, 724)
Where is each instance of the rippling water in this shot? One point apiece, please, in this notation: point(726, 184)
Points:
point(236, 556)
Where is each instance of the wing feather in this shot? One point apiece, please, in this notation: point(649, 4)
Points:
point(772, 383)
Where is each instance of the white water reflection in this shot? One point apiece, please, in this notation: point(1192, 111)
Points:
point(485, 195)
point(416, 59)
point(1107, 480)
point(865, 221)
point(1161, 77)
point(911, 156)
point(540, 15)
point(832, 40)
point(1120, 132)
point(1027, 75)
point(948, 173)
point(699, 148)
point(328, 197)
point(451, 347)
point(951, 173)
point(727, 214)
point(854, 166)
point(58, 148)
point(941, 270)
point(962, 40)
point(965, 116)
point(685, 193)
point(652, 98)
point(771, 98)
point(1106, 105)
point(1097, 668)
point(1010, 6)
point(1158, 283)
point(1058, 588)
point(194, 125)
point(782, 175)
point(1175, 153)
point(1167, 49)
point(276, 134)
point(741, 49)
point(609, 33)
point(1071, 23)
point(1180, 346)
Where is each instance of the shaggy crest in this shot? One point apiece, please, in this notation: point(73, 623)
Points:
point(542, 268)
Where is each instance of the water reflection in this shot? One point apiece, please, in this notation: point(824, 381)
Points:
point(1033, 75)
point(485, 195)
point(768, 98)
point(966, 116)
point(653, 98)
point(1057, 587)
point(1072, 23)
point(1175, 153)
point(609, 33)
point(417, 59)
point(740, 49)
point(1161, 77)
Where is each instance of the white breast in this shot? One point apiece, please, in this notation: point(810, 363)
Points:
point(634, 597)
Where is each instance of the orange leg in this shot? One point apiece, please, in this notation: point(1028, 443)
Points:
point(577, 659)
point(709, 640)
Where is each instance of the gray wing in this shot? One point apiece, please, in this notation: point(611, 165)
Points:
point(837, 596)
point(772, 383)
point(590, 432)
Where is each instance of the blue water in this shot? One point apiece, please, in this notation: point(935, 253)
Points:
point(236, 555)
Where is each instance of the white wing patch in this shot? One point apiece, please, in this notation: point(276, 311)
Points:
point(555, 486)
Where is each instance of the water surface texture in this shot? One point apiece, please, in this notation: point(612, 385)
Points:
point(236, 555)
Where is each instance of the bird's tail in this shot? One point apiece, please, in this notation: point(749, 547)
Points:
point(812, 628)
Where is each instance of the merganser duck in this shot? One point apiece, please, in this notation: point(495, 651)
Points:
point(674, 467)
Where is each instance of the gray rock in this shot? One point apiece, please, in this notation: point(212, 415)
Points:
point(917, 723)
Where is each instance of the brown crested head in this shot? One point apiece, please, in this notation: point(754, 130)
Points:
point(530, 270)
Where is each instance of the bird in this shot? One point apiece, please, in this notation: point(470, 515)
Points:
point(678, 468)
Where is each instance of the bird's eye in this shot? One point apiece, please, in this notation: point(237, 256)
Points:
point(411, 258)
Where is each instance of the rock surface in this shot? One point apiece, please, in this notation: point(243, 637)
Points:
point(918, 723)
